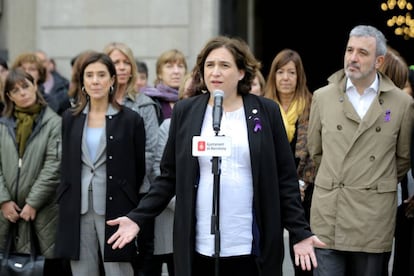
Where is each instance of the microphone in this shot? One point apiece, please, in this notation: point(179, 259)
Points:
point(217, 109)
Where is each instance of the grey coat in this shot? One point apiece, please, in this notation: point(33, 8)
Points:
point(146, 107)
point(164, 222)
point(38, 178)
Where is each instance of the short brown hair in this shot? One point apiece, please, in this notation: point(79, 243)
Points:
point(31, 58)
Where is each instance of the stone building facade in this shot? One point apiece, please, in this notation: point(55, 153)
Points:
point(64, 28)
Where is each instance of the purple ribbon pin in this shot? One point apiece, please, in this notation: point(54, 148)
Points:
point(387, 116)
point(257, 125)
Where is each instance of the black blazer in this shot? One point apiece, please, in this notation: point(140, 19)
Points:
point(125, 144)
point(276, 200)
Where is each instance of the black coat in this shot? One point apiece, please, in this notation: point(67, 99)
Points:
point(276, 200)
point(125, 138)
point(58, 98)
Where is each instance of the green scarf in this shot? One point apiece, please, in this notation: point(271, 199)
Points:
point(25, 120)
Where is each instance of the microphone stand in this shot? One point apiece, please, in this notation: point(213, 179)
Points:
point(215, 220)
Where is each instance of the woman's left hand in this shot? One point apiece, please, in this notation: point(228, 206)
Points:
point(305, 253)
point(28, 213)
point(127, 231)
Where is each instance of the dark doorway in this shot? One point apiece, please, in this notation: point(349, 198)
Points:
point(318, 30)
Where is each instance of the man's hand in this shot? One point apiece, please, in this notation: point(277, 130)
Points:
point(127, 231)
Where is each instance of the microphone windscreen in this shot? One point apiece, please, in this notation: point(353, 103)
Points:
point(218, 93)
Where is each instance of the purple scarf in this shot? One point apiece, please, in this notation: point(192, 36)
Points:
point(162, 92)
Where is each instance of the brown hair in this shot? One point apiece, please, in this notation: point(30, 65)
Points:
point(243, 57)
point(31, 58)
point(182, 91)
point(395, 67)
point(17, 76)
point(82, 99)
point(75, 84)
point(301, 91)
point(262, 81)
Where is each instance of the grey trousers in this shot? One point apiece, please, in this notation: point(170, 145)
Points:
point(345, 263)
point(92, 239)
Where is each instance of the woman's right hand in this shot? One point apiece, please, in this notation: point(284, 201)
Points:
point(10, 211)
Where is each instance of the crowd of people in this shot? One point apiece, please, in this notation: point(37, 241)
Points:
point(106, 166)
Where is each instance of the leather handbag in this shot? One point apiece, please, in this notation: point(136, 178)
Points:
point(21, 264)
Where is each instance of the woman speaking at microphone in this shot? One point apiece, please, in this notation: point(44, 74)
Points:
point(258, 189)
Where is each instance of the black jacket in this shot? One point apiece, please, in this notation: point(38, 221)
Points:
point(276, 200)
point(125, 144)
point(58, 98)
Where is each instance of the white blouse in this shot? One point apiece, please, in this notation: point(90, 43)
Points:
point(236, 190)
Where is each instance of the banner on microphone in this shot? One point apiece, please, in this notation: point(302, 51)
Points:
point(211, 146)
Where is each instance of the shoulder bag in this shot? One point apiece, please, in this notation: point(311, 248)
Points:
point(21, 264)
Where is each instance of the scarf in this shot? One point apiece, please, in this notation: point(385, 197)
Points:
point(25, 120)
point(291, 116)
point(162, 92)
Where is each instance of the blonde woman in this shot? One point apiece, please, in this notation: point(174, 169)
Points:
point(128, 95)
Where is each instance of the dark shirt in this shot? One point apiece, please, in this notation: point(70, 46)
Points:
point(58, 98)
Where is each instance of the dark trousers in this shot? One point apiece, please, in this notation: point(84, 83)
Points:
point(237, 266)
point(55, 267)
point(345, 263)
point(168, 259)
point(143, 261)
point(306, 207)
point(403, 264)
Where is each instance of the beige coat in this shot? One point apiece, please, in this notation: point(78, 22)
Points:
point(355, 200)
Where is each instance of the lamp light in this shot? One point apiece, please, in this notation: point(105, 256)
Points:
point(401, 21)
